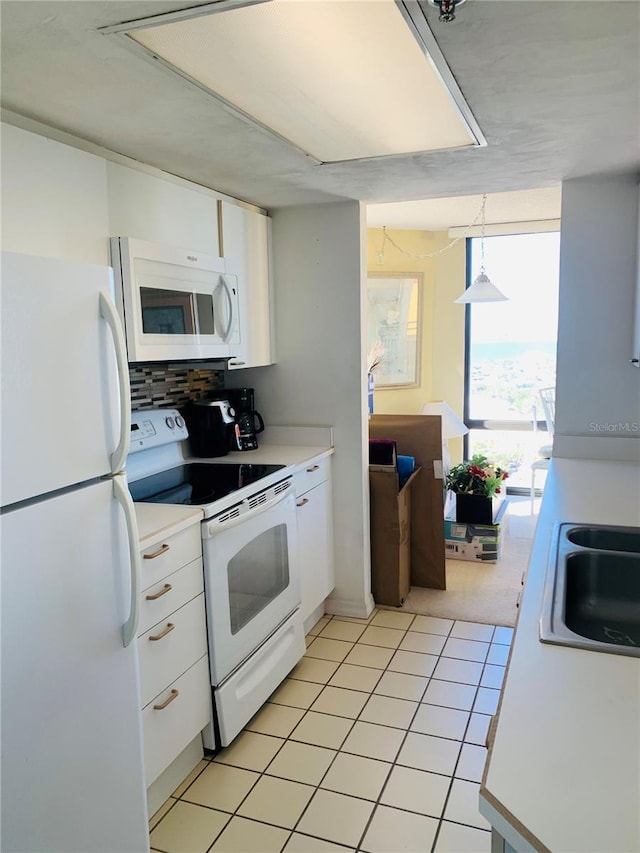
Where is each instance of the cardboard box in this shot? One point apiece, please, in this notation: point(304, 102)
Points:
point(390, 512)
point(419, 436)
point(479, 543)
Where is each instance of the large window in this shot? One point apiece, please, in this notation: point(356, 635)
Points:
point(511, 349)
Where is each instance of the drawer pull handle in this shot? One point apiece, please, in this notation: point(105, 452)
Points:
point(173, 695)
point(169, 627)
point(491, 731)
point(161, 550)
point(312, 469)
point(165, 589)
point(303, 502)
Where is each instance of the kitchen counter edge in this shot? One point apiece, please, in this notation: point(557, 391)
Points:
point(563, 771)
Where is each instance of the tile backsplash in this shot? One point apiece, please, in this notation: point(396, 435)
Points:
point(156, 385)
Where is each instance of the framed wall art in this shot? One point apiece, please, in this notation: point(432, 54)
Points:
point(394, 327)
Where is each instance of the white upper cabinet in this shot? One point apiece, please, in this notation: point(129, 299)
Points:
point(245, 238)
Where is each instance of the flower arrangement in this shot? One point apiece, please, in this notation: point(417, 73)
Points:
point(374, 356)
point(477, 477)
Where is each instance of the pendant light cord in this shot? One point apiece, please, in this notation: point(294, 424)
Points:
point(484, 204)
point(463, 236)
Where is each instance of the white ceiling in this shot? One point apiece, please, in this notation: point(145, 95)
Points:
point(554, 86)
point(438, 214)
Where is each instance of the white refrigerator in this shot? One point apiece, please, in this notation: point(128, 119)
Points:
point(71, 763)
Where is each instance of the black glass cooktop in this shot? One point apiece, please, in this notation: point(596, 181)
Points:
point(198, 482)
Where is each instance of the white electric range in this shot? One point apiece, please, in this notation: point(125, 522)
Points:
point(251, 578)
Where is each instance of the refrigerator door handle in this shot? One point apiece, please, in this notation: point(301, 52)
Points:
point(121, 492)
point(110, 315)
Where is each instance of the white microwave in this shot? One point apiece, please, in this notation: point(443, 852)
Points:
point(175, 304)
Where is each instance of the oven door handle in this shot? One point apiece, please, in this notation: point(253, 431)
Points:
point(214, 527)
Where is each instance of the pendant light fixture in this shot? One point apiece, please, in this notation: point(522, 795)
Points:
point(482, 289)
point(447, 9)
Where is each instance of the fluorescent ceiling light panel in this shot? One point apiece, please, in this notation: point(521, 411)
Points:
point(340, 79)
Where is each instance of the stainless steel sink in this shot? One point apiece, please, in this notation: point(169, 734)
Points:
point(592, 589)
point(606, 538)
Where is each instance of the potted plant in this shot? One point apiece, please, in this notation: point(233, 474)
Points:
point(476, 484)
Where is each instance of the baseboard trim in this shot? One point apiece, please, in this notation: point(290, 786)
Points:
point(312, 618)
point(357, 608)
point(167, 782)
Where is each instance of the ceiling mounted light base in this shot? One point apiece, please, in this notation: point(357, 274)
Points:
point(482, 290)
point(447, 9)
point(303, 73)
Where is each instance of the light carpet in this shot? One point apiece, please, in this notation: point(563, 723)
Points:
point(483, 592)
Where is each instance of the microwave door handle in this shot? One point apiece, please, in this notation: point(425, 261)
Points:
point(225, 334)
point(110, 315)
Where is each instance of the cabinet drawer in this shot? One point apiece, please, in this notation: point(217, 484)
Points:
point(167, 731)
point(169, 554)
point(310, 475)
point(164, 659)
point(172, 592)
point(315, 547)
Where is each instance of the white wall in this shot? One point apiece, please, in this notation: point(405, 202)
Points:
point(319, 267)
point(598, 390)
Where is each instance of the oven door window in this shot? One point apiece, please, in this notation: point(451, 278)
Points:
point(257, 575)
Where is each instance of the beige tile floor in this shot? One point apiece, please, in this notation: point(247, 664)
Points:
point(374, 743)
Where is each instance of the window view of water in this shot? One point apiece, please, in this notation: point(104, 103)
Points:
point(512, 350)
point(506, 378)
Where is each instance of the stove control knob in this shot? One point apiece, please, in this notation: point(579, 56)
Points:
point(170, 422)
point(179, 422)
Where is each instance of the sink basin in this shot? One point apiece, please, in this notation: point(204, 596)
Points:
point(592, 589)
point(602, 597)
point(606, 538)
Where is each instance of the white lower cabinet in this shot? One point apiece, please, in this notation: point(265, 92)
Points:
point(172, 649)
point(315, 534)
point(174, 718)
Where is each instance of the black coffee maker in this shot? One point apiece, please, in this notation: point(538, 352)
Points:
point(211, 424)
point(249, 422)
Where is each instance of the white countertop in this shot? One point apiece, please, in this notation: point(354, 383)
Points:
point(274, 454)
point(155, 521)
point(565, 764)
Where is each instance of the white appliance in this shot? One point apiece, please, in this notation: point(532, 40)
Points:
point(72, 766)
point(176, 304)
point(251, 578)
